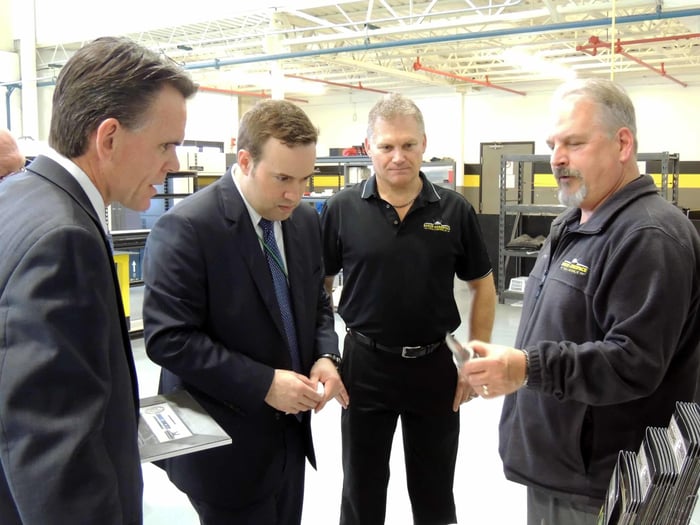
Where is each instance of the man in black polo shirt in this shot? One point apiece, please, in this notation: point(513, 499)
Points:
point(400, 241)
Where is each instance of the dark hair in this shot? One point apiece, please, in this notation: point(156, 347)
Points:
point(278, 119)
point(109, 78)
point(394, 105)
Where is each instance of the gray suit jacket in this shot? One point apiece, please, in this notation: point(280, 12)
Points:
point(211, 321)
point(68, 391)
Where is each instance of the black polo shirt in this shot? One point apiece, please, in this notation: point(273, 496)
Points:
point(398, 276)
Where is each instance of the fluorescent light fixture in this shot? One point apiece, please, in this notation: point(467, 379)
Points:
point(536, 64)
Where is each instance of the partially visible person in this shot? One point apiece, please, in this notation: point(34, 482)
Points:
point(68, 391)
point(400, 241)
point(11, 160)
point(609, 338)
point(236, 313)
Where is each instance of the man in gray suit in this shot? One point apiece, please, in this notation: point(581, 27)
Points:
point(68, 391)
point(215, 320)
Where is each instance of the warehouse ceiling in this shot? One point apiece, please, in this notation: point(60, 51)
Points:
point(513, 46)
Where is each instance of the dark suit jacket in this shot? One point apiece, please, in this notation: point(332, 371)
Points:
point(68, 392)
point(211, 321)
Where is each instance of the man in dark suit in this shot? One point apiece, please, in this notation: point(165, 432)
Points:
point(216, 323)
point(68, 390)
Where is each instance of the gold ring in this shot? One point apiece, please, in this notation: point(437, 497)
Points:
point(485, 390)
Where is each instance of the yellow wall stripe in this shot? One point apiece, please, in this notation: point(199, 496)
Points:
point(685, 180)
point(325, 181)
point(545, 180)
point(471, 181)
point(542, 180)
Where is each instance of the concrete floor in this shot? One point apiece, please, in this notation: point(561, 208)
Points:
point(483, 495)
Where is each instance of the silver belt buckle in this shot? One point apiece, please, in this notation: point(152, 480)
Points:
point(404, 349)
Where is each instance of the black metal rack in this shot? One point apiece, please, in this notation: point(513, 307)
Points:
point(518, 208)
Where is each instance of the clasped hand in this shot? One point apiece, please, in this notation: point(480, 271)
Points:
point(292, 393)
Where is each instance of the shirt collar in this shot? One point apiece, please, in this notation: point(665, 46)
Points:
point(254, 215)
point(428, 193)
point(86, 184)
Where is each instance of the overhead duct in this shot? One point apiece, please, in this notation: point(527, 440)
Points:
point(581, 24)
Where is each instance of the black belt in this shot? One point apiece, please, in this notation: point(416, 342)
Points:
point(409, 352)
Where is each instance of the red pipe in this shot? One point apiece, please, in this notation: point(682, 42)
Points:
point(660, 39)
point(262, 94)
point(661, 71)
point(594, 43)
point(417, 66)
point(338, 84)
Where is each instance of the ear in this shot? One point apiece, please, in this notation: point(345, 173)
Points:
point(425, 141)
point(106, 137)
point(626, 140)
point(245, 161)
point(367, 147)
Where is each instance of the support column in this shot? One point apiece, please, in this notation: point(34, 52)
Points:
point(27, 63)
point(273, 47)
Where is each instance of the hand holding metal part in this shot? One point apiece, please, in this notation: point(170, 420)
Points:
point(460, 354)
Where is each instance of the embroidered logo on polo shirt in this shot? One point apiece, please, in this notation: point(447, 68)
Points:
point(574, 267)
point(436, 226)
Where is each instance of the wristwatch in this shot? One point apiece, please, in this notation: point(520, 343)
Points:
point(527, 366)
point(337, 361)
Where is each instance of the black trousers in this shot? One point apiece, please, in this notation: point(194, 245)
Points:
point(382, 388)
point(282, 507)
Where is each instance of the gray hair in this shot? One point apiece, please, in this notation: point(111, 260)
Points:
point(391, 106)
point(615, 108)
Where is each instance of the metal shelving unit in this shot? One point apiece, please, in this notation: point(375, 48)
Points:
point(174, 192)
point(517, 208)
point(440, 172)
point(669, 167)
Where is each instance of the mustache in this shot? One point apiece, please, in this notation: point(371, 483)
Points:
point(566, 172)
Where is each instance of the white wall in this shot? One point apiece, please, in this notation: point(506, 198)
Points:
point(210, 116)
point(668, 119)
point(343, 123)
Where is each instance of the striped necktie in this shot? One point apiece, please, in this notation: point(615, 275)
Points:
point(279, 279)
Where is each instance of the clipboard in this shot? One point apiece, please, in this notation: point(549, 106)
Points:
point(175, 424)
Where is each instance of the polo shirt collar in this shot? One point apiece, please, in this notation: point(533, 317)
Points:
point(428, 193)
